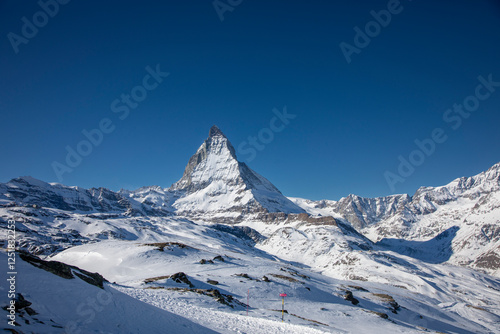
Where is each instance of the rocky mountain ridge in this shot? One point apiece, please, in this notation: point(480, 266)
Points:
point(457, 223)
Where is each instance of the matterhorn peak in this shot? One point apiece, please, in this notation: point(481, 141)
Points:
point(217, 143)
point(214, 177)
point(214, 160)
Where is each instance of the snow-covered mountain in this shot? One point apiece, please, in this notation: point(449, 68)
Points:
point(217, 187)
point(216, 184)
point(223, 233)
point(360, 212)
point(32, 192)
point(458, 223)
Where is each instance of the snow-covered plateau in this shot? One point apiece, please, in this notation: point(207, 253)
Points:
point(213, 252)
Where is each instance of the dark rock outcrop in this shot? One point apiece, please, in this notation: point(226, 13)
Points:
point(349, 297)
point(181, 277)
point(64, 270)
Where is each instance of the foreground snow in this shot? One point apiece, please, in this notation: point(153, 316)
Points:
point(74, 306)
point(442, 299)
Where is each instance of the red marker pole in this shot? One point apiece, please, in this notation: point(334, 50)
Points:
point(282, 295)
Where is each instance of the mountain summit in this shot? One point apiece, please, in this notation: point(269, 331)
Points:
point(215, 160)
point(215, 131)
point(214, 181)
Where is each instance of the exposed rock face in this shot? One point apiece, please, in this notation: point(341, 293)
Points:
point(242, 232)
point(361, 212)
point(64, 270)
point(181, 278)
point(349, 297)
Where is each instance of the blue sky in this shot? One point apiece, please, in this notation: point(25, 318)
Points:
point(353, 120)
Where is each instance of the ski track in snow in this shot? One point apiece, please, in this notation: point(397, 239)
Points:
point(222, 322)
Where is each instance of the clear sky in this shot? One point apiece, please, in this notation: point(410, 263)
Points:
point(72, 71)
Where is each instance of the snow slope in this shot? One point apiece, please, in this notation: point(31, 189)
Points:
point(74, 306)
point(436, 298)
